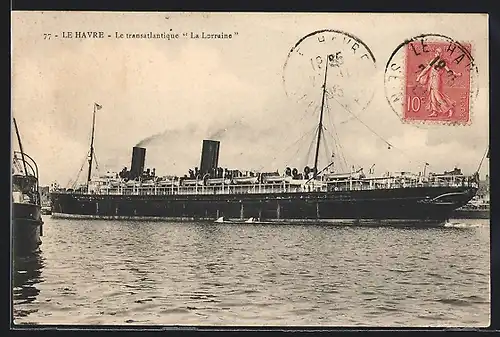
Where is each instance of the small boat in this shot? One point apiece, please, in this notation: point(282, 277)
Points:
point(245, 180)
point(477, 208)
point(250, 220)
point(46, 210)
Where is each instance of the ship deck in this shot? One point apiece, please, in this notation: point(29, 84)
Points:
point(177, 187)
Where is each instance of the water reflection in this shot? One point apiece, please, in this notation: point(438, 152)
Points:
point(105, 272)
point(27, 273)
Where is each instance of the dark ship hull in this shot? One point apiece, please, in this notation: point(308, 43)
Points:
point(470, 214)
point(212, 192)
point(26, 228)
point(398, 204)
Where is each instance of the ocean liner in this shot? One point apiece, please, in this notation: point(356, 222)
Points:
point(27, 224)
point(308, 194)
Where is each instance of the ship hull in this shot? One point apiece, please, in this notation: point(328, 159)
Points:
point(26, 228)
point(381, 205)
point(471, 214)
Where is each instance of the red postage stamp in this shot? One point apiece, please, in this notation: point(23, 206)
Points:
point(437, 83)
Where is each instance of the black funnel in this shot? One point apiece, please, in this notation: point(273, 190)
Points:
point(209, 156)
point(138, 158)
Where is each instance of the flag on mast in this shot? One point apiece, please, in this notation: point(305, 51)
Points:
point(98, 106)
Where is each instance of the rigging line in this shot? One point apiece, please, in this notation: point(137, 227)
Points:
point(84, 162)
point(295, 154)
point(96, 164)
point(329, 113)
point(287, 162)
point(373, 131)
point(304, 115)
point(313, 112)
point(280, 135)
point(298, 119)
point(337, 151)
point(303, 136)
point(338, 146)
point(309, 151)
point(73, 183)
point(310, 148)
point(328, 154)
point(340, 151)
point(322, 127)
point(482, 159)
point(337, 140)
point(78, 174)
point(327, 150)
point(293, 144)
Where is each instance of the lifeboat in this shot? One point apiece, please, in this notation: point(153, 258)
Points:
point(341, 176)
point(277, 179)
point(217, 181)
point(246, 180)
point(192, 182)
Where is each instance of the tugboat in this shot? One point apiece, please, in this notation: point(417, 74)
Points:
point(477, 208)
point(27, 224)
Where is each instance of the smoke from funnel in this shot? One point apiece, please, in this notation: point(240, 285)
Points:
point(191, 128)
point(150, 139)
point(221, 131)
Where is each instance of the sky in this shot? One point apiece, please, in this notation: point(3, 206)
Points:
point(169, 95)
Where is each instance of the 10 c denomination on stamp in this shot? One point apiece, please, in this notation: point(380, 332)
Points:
point(432, 79)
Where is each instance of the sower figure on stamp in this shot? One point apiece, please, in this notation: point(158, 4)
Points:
point(437, 102)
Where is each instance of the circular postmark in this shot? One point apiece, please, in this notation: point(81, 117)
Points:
point(431, 80)
point(338, 61)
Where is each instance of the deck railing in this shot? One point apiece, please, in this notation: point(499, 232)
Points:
point(177, 188)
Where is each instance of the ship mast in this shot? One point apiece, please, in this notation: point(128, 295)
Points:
point(20, 147)
point(320, 126)
point(91, 146)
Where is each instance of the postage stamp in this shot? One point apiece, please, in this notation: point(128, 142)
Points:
point(431, 79)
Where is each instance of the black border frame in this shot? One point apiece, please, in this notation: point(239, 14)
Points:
point(442, 6)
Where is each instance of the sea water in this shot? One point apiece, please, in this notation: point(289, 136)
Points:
point(158, 273)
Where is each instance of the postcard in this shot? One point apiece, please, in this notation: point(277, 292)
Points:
point(284, 169)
